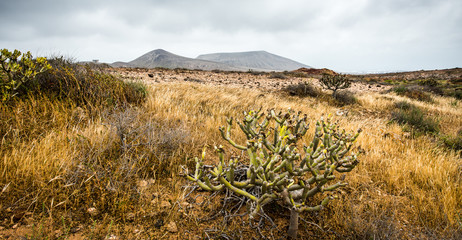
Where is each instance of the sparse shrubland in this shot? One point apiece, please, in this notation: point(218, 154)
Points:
point(84, 157)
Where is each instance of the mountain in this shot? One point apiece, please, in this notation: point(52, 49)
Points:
point(162, 58)
point(258, 60)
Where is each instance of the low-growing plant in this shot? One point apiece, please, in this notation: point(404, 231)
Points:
point(453, 142)
point(18, 71)
point(401, 89)
point(335, 82)
point(278, 75)
point(413, 93)
point(345, 98)
point(458, 94)
point(86, 86)
point(429, 82)
point(411, 115)
point(302, 89)
point(403, 105)
point(276, 169)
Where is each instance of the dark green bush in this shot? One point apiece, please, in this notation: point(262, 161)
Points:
point(429, 82)
point(414, 117)
point(345, 98)
point(453, 142)
point(413, 93)
point(458, 94)
point(278, 75)
point(302, 89)
point(403, 105)
point(400, 89)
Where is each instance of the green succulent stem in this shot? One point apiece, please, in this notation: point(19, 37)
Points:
point(275, 164)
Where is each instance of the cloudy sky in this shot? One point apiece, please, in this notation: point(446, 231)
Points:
point(349, 36)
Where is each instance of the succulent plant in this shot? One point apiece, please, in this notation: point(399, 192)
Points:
point(18, 71)
point(335, 82)
point(276, 165)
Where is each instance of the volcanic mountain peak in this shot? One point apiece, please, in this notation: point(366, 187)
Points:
point(255, 60)
point(238, 61)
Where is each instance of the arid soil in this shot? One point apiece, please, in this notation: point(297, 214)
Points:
point(261, 80)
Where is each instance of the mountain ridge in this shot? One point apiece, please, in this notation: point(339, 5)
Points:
point(255, 60)
point(231, 61)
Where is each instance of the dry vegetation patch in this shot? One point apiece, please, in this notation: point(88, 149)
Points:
point(116, 170)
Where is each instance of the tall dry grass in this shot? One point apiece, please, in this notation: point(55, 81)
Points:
point(125, 162)
point(403, 186)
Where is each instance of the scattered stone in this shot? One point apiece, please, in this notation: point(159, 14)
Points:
point(165, 204)
point(92, 211)
point(112, 237)
point(199, 199)
point(58, 233)
point(130, 216)
point(171, 227)
point(76, 229)
point(142, 184)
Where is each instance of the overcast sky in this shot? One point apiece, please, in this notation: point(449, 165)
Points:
point(348, 36)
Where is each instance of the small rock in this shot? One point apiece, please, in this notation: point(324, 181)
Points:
point(92, 211)
point(165, 204)
point(130, 216)
point(200, 199)
point(142, 184)
point(171, 227)
point(76, 229)
point(58, 233)
point(112, 237)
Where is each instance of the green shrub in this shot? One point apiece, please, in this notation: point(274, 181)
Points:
point(413, 93)
point(15, 72)
point(302, 89)
point(458, 94)
point(278, 75)
point(410, 115)
point(429, 82)
point(345, 98)
point(400, 90)
point(403, 105)
point(453, 142)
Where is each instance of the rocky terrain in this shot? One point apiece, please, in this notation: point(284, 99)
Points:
point(259, 80)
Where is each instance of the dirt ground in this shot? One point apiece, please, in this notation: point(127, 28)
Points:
point(265, 81)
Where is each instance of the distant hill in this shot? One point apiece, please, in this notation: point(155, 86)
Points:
point(162, 58)
point(256, 60)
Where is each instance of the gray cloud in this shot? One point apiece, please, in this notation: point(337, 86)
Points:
point(355, 35)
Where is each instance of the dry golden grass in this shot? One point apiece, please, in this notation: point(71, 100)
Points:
point(404, 188)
